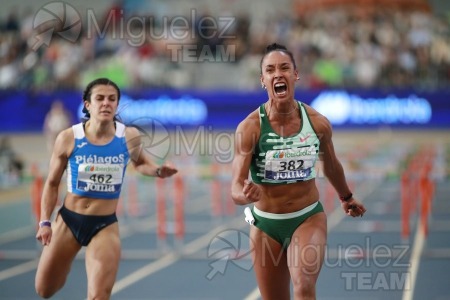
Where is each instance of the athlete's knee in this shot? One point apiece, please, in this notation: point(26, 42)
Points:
point(304, 288)
point(100, 297)
point(44, 291)
point(100, 289)
point(99, 294)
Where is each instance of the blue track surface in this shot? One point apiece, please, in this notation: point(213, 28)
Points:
point(366, 257)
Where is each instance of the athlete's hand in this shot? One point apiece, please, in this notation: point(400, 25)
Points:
point(44, 235)
point(353, 208)
point(166, 170)
point(252, 191)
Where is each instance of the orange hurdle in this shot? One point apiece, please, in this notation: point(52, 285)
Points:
point(179, 193)
point(221, 203)
point(161, 209)
point(417, 189)
point(230, 205)
point(36, 192)
point(426, 193)
point(133, 206)
point(405, 205)
point(216, 191)
point(329, 198)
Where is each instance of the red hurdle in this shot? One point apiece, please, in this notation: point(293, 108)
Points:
point(417, 190)
point(133, 205)
point(221, 203)
point(37, 186)
point(161, 209)
point(178, 197)
point(179, 194)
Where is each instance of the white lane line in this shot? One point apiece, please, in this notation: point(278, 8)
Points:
point(16, 234)
point(145, 271)
point(254, 295)
point(414, 263)
point(18, 270)
point(126, 230)
point(172, 257)
point(335, 217)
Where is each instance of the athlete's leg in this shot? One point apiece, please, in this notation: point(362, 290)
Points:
point(306, 254)
point(56, 260)
point(270, 266)
point(102, 262)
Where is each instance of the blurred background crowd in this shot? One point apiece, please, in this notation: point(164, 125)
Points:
point(336, 44)
point(49, 46)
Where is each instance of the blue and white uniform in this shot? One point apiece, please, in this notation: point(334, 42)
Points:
point(94, 171)
point(97, 171)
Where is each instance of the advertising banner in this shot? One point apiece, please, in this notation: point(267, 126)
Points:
point(24, 111)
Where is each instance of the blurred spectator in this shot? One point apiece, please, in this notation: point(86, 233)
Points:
point(56, 120)
point(339, 47)
point(11, 166)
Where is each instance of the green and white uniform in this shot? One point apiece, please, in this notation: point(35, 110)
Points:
point(281, 160)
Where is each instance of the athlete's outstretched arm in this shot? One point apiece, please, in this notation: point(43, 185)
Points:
point(140, 158)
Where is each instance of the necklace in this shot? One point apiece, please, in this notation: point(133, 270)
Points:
point(281, 113)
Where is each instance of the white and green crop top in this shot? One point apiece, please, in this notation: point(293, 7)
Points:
point(281, 160)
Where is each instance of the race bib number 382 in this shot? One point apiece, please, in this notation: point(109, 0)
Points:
point(289, 164)
point(100, 177)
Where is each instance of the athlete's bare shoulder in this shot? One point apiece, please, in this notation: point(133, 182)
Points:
point(134, 141)
point(250, 124)
point(319, 122)
point(248, 132)
point(64, 143)
point(131, 132)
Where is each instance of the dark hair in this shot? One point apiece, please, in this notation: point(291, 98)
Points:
point(277, 47)
point(88, 91)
